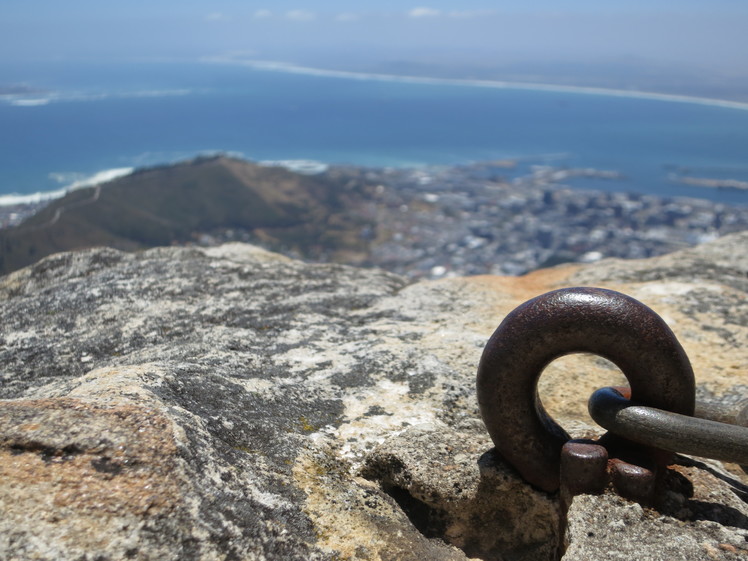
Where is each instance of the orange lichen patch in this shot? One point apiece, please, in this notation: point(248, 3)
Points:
point(354, 519)
point(65, 455)
point(527, 286)
point(496, 296)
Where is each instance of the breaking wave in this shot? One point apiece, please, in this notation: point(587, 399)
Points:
point(79, 181)
point(37, 100)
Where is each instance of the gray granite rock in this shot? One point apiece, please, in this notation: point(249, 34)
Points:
point(234, 404)
point(608, 527)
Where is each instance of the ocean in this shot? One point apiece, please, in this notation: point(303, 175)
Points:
point(82, 120)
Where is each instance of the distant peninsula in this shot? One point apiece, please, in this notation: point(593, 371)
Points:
point(675, 88)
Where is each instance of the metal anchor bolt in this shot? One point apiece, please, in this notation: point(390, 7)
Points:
point(558, 323)
point(584, 467)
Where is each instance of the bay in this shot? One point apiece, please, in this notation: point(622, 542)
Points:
point(86, 118)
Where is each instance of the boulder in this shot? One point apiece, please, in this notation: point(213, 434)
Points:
point(230, 403)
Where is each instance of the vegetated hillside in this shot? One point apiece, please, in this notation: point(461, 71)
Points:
point(174, 204)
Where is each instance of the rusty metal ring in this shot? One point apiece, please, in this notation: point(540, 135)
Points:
point(594, 320)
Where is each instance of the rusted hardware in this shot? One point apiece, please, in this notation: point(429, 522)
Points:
point(561, 322)
point(669, 431)
point(633, 481)
point(584, 467)
point(587, 468)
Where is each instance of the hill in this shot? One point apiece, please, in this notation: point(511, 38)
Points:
point(306, 215)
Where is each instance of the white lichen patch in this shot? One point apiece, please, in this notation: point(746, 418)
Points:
point(306, 359)
point(256, 385)
point(395, 410)
point(140, 323)
point(20, 337)
point(238, 252)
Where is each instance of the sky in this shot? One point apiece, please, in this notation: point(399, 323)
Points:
point(691, 32)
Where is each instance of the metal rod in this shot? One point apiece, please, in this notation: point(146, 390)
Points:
point(668, 431)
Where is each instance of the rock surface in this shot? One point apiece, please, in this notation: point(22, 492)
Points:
point(233, 404)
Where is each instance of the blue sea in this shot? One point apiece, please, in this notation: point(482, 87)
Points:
point(90, 118)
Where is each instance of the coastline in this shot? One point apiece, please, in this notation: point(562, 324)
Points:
point(54, 185)
point(290, 68)
point(304, 167)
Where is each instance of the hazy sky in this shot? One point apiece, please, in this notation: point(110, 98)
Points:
point(713, 33)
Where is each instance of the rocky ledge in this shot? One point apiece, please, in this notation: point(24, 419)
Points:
point(230, 403)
